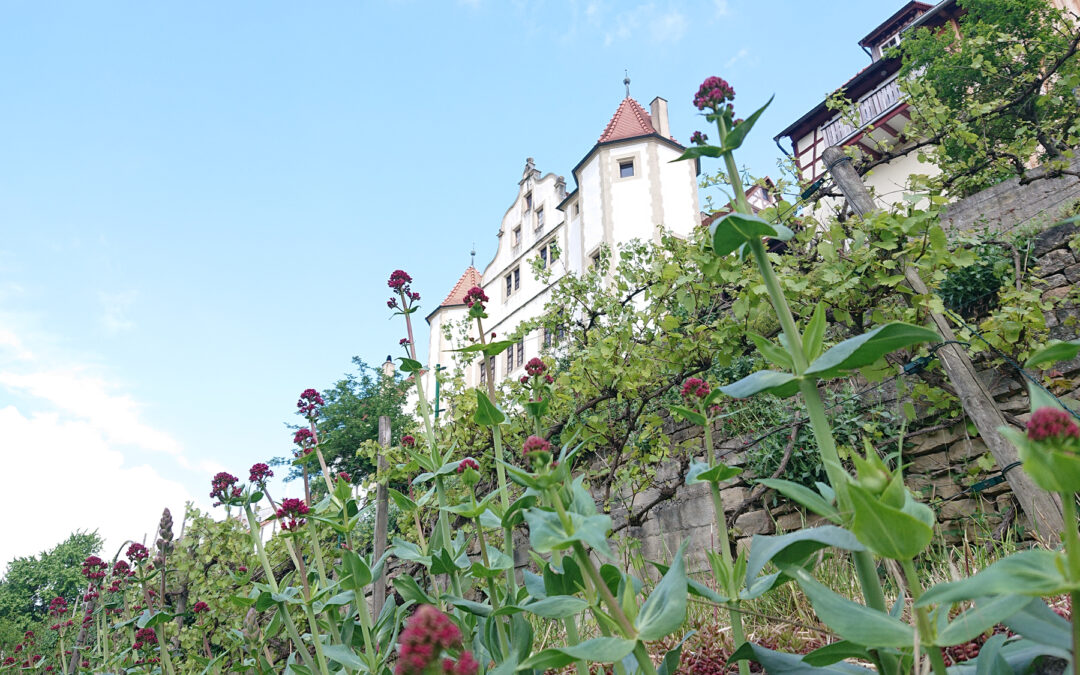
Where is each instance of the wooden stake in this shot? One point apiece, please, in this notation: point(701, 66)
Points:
point(1042, 507)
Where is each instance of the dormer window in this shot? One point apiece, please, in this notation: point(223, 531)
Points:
point(626, 168)
point(528, 202)
point(540, 218)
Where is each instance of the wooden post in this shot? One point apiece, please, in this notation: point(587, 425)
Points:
point(382, 499)
point(1042, 507)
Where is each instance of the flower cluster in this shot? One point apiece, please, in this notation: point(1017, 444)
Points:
point(399, 281)
point(94, 568)
point(476, 296)
point(309, 403)
point(291, 513)
point(260, 473)
point(408, 441)
point(404, 342)
point(427, 633)
point(58, 607)
point(467, 463)
point(693, 388)
point(535, 367)
point(1049, 423)
point(698, 138)
point(200, 607)
point(145, 638)
point(223, 487)
point(305, 438)
point(136, 553)
point(536, 450)
point(713, 93)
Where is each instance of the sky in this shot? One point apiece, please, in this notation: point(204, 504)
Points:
point(200, 202)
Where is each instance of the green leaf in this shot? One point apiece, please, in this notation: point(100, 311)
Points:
point(148, 620)
point(487, 414)
point(670, 664)
point(990, 661)
point(343, 655)
point(768, 381)
point(772, 352)
point(1038, 623)
point(402, 502)
point(409, 590)
point(700, 472)
point(490, 349)
point(470, 606)
point(695, 151)
point(343, 598)
point(900, 534)
point(731, 231)
point(779, 663)
point(737, 135)
point(814, 336)
point(665, 608)
point(691, 416)
point(796, 547)
point(1054, 352)
point(596, 650)
point(264, 602)
point(556, 606)
point(803, 495)
point(546, 531)
point(852, 621)
point(1032, 573)
point(986, 614)
point(410, 365)
point(837, 651)
point(357, 570)
point(867, 348)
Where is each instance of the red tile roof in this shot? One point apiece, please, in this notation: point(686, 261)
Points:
point(629, 120)
point(470, 278)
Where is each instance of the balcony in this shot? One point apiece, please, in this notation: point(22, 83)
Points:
point(874, 105)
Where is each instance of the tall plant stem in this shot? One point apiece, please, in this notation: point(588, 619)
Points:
point(163, 648)
point(313, 622)
point(492, 590)
point(725, 548)
point(1072, 552)
point(574, 638)
point(922, 617)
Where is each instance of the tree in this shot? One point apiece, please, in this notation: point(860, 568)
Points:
point(350, 418)
point(1002, 92)
point(30, 583)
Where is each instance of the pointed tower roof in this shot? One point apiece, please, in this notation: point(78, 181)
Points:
point(629, 120)
point(470, 278)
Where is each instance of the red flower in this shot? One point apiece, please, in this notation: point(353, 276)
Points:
point(399, 279)
point(713, 93)
point(58, 607)
point(1051, 423)
point(694, 388)
point(535, 367)
point(309, 403)
point(200, 607)
point(408, 441)
point(467, 463)
point(344, 475)
point(427, 632)
point(466, 664)
point(524, 379)
point(404, 342)
point(698, 138)
point(94, 568)
point(304, 437)
point(476, 296)
point(534, 444)
point(137, 553)
point(221, 487)
point(259, 473)
point(291, 513)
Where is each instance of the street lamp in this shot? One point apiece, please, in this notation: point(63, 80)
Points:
point(388, 368)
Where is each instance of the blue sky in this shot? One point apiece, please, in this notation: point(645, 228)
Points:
point(200, 202)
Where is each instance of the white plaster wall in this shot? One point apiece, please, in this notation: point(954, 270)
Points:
point(591, 207)
point(678, 185)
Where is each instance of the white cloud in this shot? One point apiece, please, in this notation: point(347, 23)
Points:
point(114, 317)
point(661, 25)
point(64, 475)
point(670, 27)
point(9, 341)
point(739, 56)
point(721, 7)
point(91, 399)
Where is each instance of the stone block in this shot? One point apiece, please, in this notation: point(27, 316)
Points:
point(931, 464)
point(733, 496)
point(1052, 238)
point(941, 487)
point(668, 517)
point(935, 441)
point(1054, 261)
point(1057, 293)
point(754, 522)
point(1072, 273)
point(697, 512)
point(797, 520)
point(957, 508)
point(967, 449)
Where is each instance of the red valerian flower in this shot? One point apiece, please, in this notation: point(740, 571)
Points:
point(713, 93)
point(344, 475)
point(145, 638)
point(694, 388)
point(408, 441)
point(466, 664)
point(309, 403)
point(475, 296)
point(392, 303)
point(1050, 423)
point(426, 634)
point(94, 568)
point(121, 569)
point(399, 279)
point(200, 607)
point(534, 445)
point(404, 342)
point(221, 487)
point(535, 367)
point(305, 438)
point(260, 473)
point(291, 513)
point(58, 607)
point(524, 379)
point(467, 463)
point(136, 553)
point(698, 138)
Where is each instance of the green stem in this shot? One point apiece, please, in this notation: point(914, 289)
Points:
point(922, 618)
point(643, 659)
point(492, 591)
point(163, 648)
point(316, 638)
point(1072, 553)
point(574, 638)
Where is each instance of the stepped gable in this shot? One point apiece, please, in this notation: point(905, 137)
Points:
point(470, 278)
point(629, 121)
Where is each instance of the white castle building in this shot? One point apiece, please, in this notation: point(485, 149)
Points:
point(626, 188)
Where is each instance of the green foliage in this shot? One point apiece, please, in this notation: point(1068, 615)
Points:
point(972, 291)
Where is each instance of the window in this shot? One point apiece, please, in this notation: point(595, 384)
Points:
point(626, 168)
point(509, 361)
point(513, 281)
point(577, 209)
point(521, 352)
point(516, 239)
point(483, 370)
point(595, 259)
point(547, 337)
point(540, 218)
point(528, 202)
point(547, 254)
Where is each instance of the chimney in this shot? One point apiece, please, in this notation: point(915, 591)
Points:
point(658, 112)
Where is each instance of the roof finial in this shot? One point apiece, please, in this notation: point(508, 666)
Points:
point(626, 81)
point(472, 253)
